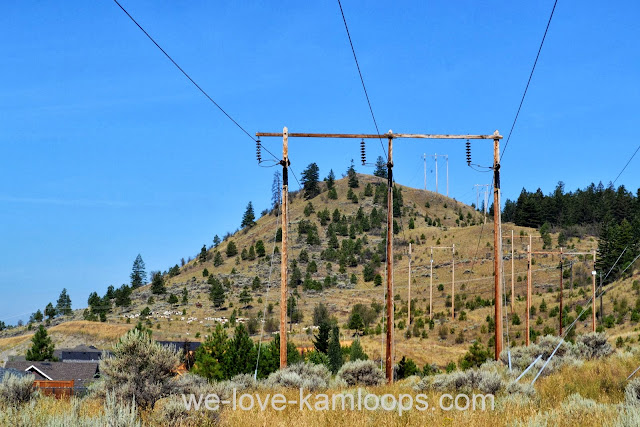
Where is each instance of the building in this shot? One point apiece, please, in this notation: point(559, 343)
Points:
point(81, 373)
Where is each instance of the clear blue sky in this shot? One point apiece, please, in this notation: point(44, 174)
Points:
point(107, 151)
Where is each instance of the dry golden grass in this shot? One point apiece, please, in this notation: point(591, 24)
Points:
point(7, 343)
point(96, 330)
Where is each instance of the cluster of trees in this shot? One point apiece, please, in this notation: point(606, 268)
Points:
point(62, 307)
point(591, 206)
point(613, 214)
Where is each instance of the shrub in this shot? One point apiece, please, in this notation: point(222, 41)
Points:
point(300, 375)
point(15, 389)
point(361, 372)
point(593, 345)
point(139, 368)
point(487, 382)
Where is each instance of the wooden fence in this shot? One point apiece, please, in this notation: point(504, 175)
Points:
point(55, 388)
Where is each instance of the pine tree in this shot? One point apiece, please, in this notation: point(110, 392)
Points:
point(335, 351)
point(330, 179)
point(138, 273)
point(36, 317)
point(50, 311)
point(210, 356)
point(185, 295)
point(203, 254)
point(309, 180)
point(245, 297)
point(173, 299)
point(381, 168)
point(248, 219)
point(63, 305)
point(260, 250)
point(232, 249)
point(216, 241)
point(353, 177)
point(321, 341)
point(240, 357)
point(217, 259)
point(216, 292)
point(42, 347)
point(356, 352)
point(157, 284)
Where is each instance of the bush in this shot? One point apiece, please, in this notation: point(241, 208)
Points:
point(139, 368)
point(467, 381)
point(361, 372)
point(300, 375)
point(15, 389)
point(593, 345)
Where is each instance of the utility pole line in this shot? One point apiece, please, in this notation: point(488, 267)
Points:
point(593, 293)
point(497, 242)
point(453, 281)
point(601, 292)
point(431, 288)
point(424, 157)
point(390, 314)
point(561, 294)
point(283, 257)
point(513, 277)
point(435, 156)
point(409, 290)
point(527, 339)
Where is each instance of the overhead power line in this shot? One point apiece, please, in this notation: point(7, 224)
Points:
point(625, 166)
point(189, 77)
point(361, 79)
point(529, 81)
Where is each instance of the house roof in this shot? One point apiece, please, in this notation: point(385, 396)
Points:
point(81, 373)
point(179, 345)
point(81, 353)
point(6, 371)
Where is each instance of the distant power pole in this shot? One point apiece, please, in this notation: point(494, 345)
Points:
point(424, 157)
point(409, 291)
point(435, 156)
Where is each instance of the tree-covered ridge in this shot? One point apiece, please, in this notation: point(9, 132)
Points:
point(595, 205)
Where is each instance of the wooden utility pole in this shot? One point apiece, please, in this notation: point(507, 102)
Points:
point(601, 292)
point(528, 291)
point(283, 257)
point(593, 293)
point(561, 294)
point(453, 281)
point(497, 242)
point(513, 277)
point(431, 288)
point(424, 157)
point(390, 314)
point(409, 291)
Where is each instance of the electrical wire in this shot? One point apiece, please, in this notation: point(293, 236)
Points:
point(188, 76)
point(529, 81)
point(362, 81)
point(625, 166)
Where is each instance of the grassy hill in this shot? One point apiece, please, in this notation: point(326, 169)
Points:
point(425, 219)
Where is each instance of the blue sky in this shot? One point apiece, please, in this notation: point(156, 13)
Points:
point(108, 151)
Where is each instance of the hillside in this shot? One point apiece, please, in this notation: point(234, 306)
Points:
point(334, 276)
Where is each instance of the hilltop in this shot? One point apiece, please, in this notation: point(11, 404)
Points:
point(336, 252)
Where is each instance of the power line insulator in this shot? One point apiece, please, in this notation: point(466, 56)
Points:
point(468, 153)
point(363, 155)
point(258, 151)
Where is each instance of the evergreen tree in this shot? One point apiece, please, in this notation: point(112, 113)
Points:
point(63, 305)
point(50, 311)
point(248, 219)
point(217, 259)
point(36, 317)
point(240, 357)
point(245, 297)
point(157, 284)
point(210, 356)
point(330, 179)
point(309, 180)
point(321, 315)
point(252, 253)
point(353, 177)
point(185, 295)
point(216, 292)
point(356, 322)
point(335, 351)
point(321, 341)
point(381, 168)
point(232, 249)
point(356, 352)
point(260, 250)
point(203, 254)
point(42, 347)
point(123, 296)
point(173, 299)
point(138, 273)
point(216, 241)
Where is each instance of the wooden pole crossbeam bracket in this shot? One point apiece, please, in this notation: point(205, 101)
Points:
point(374, 136)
